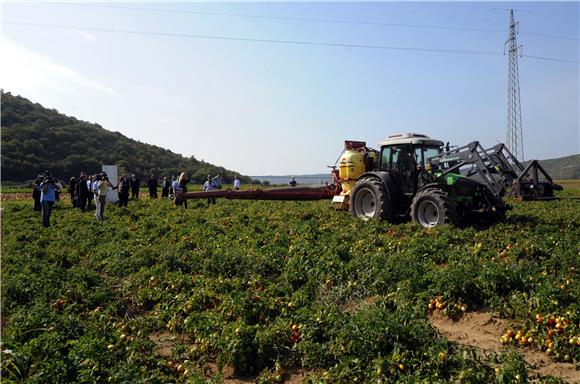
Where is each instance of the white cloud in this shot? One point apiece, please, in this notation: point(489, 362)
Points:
point(28, 72)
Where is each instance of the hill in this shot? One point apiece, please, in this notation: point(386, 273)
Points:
point(35, 138)
point(563, 167)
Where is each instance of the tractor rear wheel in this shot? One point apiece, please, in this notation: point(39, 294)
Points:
point(432, 207)
point(369, 199)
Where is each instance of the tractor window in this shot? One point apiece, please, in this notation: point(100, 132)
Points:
point(422, 154)
point(386, 161)
point(397, 158)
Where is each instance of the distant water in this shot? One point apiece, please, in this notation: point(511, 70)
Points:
point(317, 179)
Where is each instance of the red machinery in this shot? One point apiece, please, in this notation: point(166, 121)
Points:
point(286, 193)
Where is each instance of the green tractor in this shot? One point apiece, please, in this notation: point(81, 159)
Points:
point(414, 175)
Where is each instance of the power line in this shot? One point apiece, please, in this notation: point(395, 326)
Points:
point(521, 10)
point(551, 59)
point(234, 38)
point(317, 20)
point(275, 41)
point(287, 18)
point(550, 36)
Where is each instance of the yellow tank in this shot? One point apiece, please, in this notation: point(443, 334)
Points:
point(351, 166)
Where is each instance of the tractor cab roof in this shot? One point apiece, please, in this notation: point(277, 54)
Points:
point(410, 138)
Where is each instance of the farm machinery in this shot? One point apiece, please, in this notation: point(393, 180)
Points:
point(525, 182)
point(415, 176)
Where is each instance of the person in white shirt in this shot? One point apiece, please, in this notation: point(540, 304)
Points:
point(237, 183)
point(210, 185)
point(103, 185)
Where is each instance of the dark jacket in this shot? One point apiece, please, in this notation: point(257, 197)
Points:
point(82, 188)
point(135, 184)
point(152, 184)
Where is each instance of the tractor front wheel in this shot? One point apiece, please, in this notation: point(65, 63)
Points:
point(369, 199)
point(432, 207)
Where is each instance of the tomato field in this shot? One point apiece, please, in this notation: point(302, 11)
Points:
point(272, 291)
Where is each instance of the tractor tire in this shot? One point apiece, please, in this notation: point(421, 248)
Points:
point(370, 200)
point(432, 207)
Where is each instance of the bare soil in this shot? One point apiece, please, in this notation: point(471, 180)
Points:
point(482, 330)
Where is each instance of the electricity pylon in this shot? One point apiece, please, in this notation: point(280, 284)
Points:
point(514, 137)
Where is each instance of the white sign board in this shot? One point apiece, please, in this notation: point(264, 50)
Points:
point(112, 195)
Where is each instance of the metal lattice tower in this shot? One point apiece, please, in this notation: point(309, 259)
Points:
point(514, 136)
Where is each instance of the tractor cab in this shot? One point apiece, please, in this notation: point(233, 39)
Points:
point(405, 156)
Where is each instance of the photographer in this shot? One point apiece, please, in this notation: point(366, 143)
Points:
point(48, 189)
point(103, 185)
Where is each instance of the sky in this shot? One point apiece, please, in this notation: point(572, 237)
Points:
point(250, 87)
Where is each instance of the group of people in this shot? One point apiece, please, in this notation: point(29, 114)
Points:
point(85, 189)
point(88, 188)
point(179, 186)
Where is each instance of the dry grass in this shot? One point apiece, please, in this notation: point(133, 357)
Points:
point(569, 184)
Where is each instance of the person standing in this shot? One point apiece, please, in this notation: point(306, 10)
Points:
point(172, 188)
point(48, 190)
point(152, 185)
point(82, 191)
point(123, 191)
point(209, 185)
point(102, 186)
point(36, 192)
point(72, 188)
point(166, 185)
point(95, 189)
point(59, 187)
point(237, 183)
point(90, 192)
point(217, 181)
point(135, 186)
point(175, 189)
point(179, 187)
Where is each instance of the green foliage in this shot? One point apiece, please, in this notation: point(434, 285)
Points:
point(35, 138)
point(163, 294)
